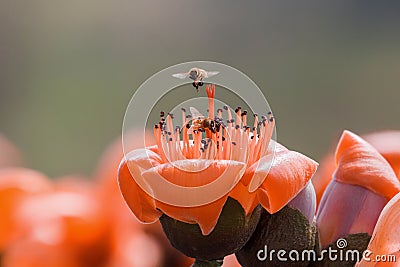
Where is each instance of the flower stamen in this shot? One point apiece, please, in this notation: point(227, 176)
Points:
point(234, 140)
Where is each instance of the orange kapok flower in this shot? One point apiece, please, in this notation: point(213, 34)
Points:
point(361, 186)
point(384, 141)
point(16, 184)
point(191, 181)
point(385, 241)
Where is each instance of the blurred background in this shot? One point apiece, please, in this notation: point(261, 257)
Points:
point(69, 68)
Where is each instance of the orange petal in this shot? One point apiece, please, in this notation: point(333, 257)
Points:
point(194, 197)
point(205, 216)
point(386, 237)
point(107, 167)
point(288, 175)
point(246, 199)
point(141, 203)
point(231, 261)
point(361, 164)
point(394, 260)
point(264, 162)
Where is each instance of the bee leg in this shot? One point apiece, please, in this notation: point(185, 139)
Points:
point(196, 85)
point(212, 127)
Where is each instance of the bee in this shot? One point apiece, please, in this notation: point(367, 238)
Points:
point(197, 75)
point(199, 122)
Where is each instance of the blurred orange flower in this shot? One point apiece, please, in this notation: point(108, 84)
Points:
point(67, 227)
point(240, 161)
point(16, 185)
point(388, 144)
point(9, 154)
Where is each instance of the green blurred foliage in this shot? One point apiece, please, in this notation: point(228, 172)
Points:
point(69, 68)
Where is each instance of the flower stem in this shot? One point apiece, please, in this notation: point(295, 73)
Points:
point(212, 263)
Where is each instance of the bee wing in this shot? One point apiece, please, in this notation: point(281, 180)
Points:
point(195, 113)
point(180, 75)
point(211, 73)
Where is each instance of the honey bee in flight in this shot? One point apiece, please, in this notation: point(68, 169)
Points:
point(197, 75)
point(199, 122)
